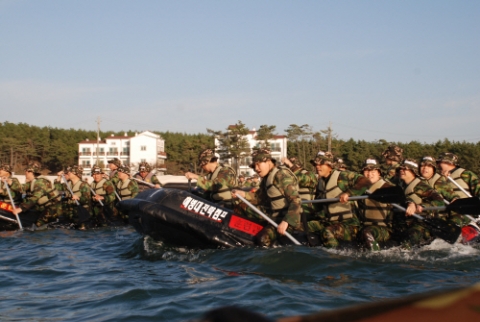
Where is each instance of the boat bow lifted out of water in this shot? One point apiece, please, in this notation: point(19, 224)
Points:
point(181, 218)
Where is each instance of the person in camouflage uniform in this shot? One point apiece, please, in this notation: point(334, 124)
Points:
point(113, 165)
point(449, 167)
point(15, 187)
point(126, 188)
point(393, 158)
point(103, 191)
point(241, 181)
point(217, 185)
point(307, 184)
point(77, 193)
point(277, 196)
point(336, 221)
point(41, 196)
point(419, 194)
point(255, 181)
point(428, 167)
point(145, 177)
point(376, 217)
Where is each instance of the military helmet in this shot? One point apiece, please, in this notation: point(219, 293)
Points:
point(255, 175)
point(323, 158)
point(77, 170)
point(394, 153)
point(410, 164)
point(241, 176)
point(34, 167)
point(96, 170)
point(448, 157)
point(206, 156)
point(144, 167)
point(6, 168)
point(124, 169)
point(260, 155)
point(339, 164)
point(116, 162)
point(428, 160)
point(371, 164)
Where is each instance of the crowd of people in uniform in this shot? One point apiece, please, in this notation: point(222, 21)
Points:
point(69, 199)
point(285, 191)
point(286, 188)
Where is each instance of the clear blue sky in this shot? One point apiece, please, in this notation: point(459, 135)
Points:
point(393, 70)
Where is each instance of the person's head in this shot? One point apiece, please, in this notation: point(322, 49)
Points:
point(262, 161)
point(408, 170)
point(144, 168)
point(393, 154)
point(97, 173)
point(241, 178)
point(428, 166)
point(75, 173)
point(207, 160)
point(447, 161)
point(5, 170)
point(339, 164)
point(295, 163)
point(323, 163)
point(371, 170)
point(32, 170)
point(114, 164)
point(255, 177)
point(123, 172)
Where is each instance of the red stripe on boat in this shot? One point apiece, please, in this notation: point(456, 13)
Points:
point(244, 225)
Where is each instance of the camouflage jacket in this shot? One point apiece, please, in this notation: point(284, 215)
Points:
point(142, 186)
point(350, 182)
point(392, 176)
point(82, 190)
point(128, 192)
point(226, 179)
point(288, 186)
point(42, 187)
point(16, 190)
point(113, 177)
point(306, 179)
point(107, 191)
point(444, 188)
point(471, 179)
point(428, 195)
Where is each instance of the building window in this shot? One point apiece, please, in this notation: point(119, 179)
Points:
point(113, 143)
point(143, 160)
point(86, 163)
point(143, 148)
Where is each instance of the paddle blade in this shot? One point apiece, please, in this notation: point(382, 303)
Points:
point(469, 234)
point(470, 206)
point(443, 229)
point(83, 215)
point(393, 194)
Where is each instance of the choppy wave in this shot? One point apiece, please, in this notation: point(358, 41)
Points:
point(116, 275)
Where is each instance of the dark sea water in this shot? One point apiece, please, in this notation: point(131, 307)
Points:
point(114, 274)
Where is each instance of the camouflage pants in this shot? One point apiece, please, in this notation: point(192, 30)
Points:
point(49, 214)
point(331, 232)
point(370, 236)
point(269, 235)
point(417, 234)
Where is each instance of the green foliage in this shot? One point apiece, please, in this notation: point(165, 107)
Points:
point(56, 148)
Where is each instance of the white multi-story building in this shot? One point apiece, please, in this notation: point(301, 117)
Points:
point(131, 150)
point(278, 146)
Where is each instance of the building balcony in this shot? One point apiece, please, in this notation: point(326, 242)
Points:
point(112, 153)
point(84, 154)
point(99, 153)
point(125, 153)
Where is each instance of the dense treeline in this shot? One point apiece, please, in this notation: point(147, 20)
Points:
point(55, 148)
